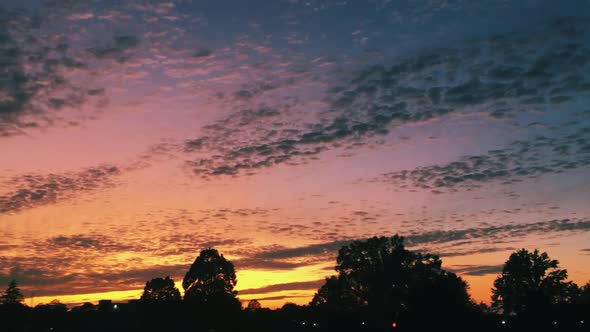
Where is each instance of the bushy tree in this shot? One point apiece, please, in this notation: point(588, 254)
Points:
point(381, 275)
point(210, 281)
point(160, 290)
point(12, 295)
point(530, 282)
point(337, 294)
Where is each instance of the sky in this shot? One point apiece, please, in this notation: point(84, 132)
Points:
point(134, 134)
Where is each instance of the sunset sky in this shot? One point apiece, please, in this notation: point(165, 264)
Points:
point(134, 134)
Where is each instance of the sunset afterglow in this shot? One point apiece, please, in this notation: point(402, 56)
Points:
point(134, 134)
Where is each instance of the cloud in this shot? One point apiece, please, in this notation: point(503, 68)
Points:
point(524, 159)
point(310, 250)
point(84, 242)
point(279, 297)
point(46, 282)
point(36, 276)
point(468, 252)
point(119, 49)
point(500, 77)
point(511, 231)
point(95, 262)
point(202, 53)
point(300, 285)
point(265, 264)
point(35, 69)
point(140, 276)
point(501, 233)
point(49, 268)
point(32, 190)
point(155, 7)
point(80, 16)
point(476, 270)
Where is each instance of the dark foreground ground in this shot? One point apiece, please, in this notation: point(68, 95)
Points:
point(171, 318)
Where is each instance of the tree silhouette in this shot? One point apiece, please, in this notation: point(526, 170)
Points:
point(85, 307)
point(530, 283)
point(337, 294)
point(381, 275)
point(584, 297)
point(161, 290)
point(211, 280)
point(254, 305)
point(12, 295)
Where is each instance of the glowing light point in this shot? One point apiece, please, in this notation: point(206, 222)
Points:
point(394, 324)
point(503, 322)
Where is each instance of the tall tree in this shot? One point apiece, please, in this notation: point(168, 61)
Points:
point(530, 283)
point(161, 290)
point(12, 295)
point(211, 280)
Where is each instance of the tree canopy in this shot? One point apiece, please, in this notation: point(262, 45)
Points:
point(337, 294)
point(211, 280)
point(530, 283)
point(381, 275)
point(12, 295)
point(161, 290)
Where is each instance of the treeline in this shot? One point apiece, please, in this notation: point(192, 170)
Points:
point(379, 286)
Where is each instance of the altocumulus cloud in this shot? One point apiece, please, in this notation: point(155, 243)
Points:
point(119, 48)
point(519, 160)
point(32, 190)
point(36, 69)
point(513, 232)
point(500, 77)
point(83, 253)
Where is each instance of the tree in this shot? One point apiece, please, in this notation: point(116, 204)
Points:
point(530, 283)
point(211, 280)
point(12, 295)
point(337, 295)
point(584, 296)
point(253, 305)
point(86, 307)
point(381, 275)
point(162, 290)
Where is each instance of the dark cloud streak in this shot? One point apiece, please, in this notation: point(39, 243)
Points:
point(299, 285)
point(32, 190)
point(476, 270)
point(508, 232)
point(520, 160)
